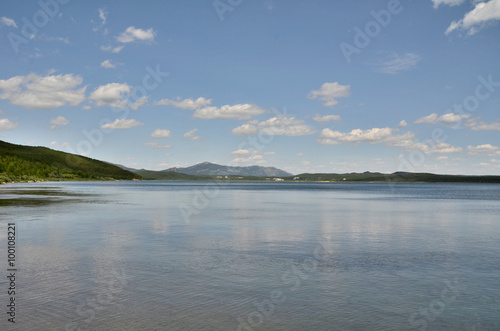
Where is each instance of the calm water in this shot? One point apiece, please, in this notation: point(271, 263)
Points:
point(253, 256)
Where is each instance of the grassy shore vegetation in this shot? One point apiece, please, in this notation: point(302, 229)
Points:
point(27, 163)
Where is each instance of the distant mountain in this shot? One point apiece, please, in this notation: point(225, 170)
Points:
point(212, 169)
point(25, 163)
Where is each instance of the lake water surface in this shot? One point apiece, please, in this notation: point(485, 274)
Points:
point(252, 256)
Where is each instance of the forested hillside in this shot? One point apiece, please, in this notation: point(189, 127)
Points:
point(25, 163)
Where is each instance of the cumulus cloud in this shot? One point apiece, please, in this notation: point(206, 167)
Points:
point(374, 135)
point(484, 150)
point(107, 64)
point(241, 152)
point(116, 95)
point(238, 112)
point(186, 103)
point(8, 21)
point(329, 92)
point(450, 118)
point(59, 120)
point(132, 34)
point(430, 119)
point(326, 118)
point(402, 124)
point(158, 133)
point(482, 126)
point(36, 92)
point(157, 146)
point(278, 125)
point(395, 63)
point(122, 124)
point(191, 135)
point(111, 95)
point(5, 124)
point(245, 130)
point(385, 136)
point(473, 21)
point(451, 3)
point(242, 157)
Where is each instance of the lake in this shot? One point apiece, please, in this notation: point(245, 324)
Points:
point(156, 255)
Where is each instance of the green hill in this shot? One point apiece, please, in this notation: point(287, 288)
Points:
point(25, 163)
point(406, 177)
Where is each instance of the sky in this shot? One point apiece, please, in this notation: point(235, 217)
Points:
point(305, 86)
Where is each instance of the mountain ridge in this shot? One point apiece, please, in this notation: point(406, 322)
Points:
point(213, 169)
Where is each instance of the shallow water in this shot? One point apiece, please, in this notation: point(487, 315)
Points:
point(253, 256)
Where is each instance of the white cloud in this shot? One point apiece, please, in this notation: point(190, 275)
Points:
point(402, 124)
point(395, 63)
point(238, 112)
point(279, 126)
point(103, 15)
point(116, 95)
point(306, 163)
point(139, 103)
point(442, 148)
point(107, 64)
point(133, 34)
point(111, 49)
point(326, 118)
point(245, 130)
point(122, 124)
point(8, 21)
point(191, 135)
point(385, 136)
point(450, 118)
point(86, 107)
point(483, 126)
point(256, 158)
point(59, 120)
point(37, 92)
point(158, 133)
point(473, 21)
point(186, 103)
point(485, 150)
point(157, 146)
point(241, 152)
point(300, 154)
point(329, 92)
point(431, 119)
point(451, 3)
point(111, 94)
point(5, 124)
point(374, 135)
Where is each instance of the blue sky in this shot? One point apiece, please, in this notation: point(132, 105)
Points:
point(305, 86)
